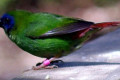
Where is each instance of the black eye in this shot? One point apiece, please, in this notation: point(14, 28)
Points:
point(6, 20)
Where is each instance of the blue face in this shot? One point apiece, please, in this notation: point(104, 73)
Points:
point(7, 22)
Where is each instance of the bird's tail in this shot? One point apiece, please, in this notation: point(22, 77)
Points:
point(100, 25)
point(105, 24)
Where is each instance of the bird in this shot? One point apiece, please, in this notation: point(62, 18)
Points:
point(48, 35)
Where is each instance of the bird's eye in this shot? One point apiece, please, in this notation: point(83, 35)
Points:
point(6, 20)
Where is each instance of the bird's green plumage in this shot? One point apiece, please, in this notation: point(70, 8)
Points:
point(42, 22)
point(28, 25)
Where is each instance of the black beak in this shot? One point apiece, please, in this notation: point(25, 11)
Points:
point(1, 24)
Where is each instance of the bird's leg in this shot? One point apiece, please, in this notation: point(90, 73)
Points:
point(45, 64)
point(52, 64)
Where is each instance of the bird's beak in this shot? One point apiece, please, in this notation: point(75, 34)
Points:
point(1, 24)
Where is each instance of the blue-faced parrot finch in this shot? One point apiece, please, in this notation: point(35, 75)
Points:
point(48, 35)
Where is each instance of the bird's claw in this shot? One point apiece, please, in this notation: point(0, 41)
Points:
point(34, 68)
point(57, 61)
point(46, 67)
point(51, 67)
point(27, 70)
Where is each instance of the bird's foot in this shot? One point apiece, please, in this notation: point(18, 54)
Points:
point(56, 62)
point(46, 67)
point(47, 64)
point(52, 64)
point(51, 67)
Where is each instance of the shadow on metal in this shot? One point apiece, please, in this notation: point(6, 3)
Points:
point(74, 64)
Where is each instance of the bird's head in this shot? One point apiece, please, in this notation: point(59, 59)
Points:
point(7, 22)
point(13, 20)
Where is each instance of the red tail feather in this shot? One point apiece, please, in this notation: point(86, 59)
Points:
point(99, 25)
point(105, 24)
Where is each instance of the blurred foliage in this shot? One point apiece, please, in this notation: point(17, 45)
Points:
point(6, 5)
point(103, 3)
point(48, 5)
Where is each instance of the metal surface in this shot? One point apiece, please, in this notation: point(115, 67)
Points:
point(96, 60)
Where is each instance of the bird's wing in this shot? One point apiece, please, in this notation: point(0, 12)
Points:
point(70, 28)
point(57, 25)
